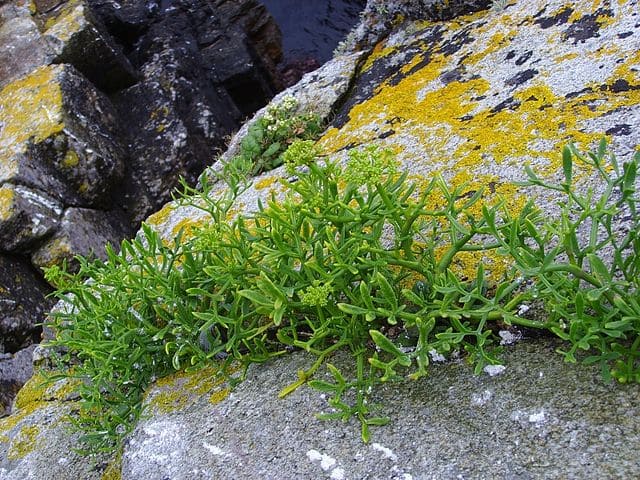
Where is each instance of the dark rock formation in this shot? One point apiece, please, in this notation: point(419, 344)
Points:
point(103, 106)
point(22, 303)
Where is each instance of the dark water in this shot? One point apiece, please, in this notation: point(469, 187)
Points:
point(313, 28)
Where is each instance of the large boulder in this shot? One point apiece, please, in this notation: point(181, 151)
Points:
point(82, 231)
point(76, 37)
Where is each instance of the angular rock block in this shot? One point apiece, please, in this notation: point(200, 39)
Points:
point(23, 48)
point(15, 370)
point(82, 232)
point(77, 37)
point(240, 71)
point(59, 135)
point(25, 216)
point(176, 122)
point(22, 303)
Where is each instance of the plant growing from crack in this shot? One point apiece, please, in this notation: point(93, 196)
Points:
point(352, 258)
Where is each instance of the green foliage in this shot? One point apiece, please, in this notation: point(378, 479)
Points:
point(356, 259)
point(270, 136)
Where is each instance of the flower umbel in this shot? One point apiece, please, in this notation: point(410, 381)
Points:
point(370, 165)
point(316, 295)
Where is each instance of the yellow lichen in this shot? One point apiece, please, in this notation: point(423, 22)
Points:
point(30, 108)
point(219, 396)
point(7, 197)
point(451, 128)
point(266, 182)
point(162, 216)
point(179, 390)
point(23, 443)
point(70, 21)
point(70, 159)
point(114, 469)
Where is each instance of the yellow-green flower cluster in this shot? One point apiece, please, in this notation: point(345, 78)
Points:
point(207, 238)
point(316, 295)
point(370, 165)
point(300, 153)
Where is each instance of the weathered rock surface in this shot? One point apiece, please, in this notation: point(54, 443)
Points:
point(77, 38)
point(15, 370)
point(541, 418)
point(203, 66)
point(22, 303)
point(23, 48)
point(26, 216)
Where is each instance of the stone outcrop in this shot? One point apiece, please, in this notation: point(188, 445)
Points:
point(104, 105)
point(474, 98)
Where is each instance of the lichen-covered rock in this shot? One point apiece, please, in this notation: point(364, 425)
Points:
point(82, 231)
point(76, 37)
point(480, 97)
point(35, 441)
point(25, 216)
point(23, 48)
point(22, 303)
point(540, 418)
point(58, 134)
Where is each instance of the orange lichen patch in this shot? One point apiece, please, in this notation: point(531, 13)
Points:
point(7, 198)
point(30, 108)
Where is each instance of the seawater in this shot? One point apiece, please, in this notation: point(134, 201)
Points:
point(313, 28)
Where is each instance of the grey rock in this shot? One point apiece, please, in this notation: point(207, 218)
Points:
point(59, 134)
point(541, 418)
point(83, 232)
point(15, 370)
point(25, 216)
point(22, 303)
point(36, 443)
point(23, 48)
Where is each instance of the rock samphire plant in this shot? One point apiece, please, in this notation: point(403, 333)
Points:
point(354, 258)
